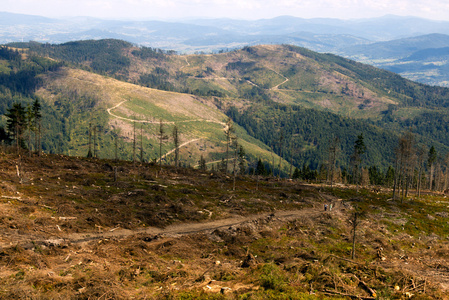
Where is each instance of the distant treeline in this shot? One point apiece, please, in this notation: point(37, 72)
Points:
point(302, 136)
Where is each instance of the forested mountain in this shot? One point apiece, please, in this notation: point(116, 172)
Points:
point(284, 98)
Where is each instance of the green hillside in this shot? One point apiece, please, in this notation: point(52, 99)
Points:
point(272, 92)
point(285, 73)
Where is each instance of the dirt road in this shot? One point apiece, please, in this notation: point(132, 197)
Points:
point(30, 241)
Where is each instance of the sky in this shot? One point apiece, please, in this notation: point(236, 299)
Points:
point(235, 9)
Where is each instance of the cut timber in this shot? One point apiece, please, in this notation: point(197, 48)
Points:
point(348, 295)
point(345, 259)
point(368, 289)
point(13, 198)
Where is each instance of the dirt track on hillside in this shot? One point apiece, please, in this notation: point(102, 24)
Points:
point(30, 241)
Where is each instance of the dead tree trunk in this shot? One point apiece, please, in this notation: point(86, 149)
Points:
point(354, 229)
point(134, 142)
point(141, 143)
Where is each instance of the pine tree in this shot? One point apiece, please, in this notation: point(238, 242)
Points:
point(16, 123)
point(260, 168)
point(37, 116)
point(242, 160)
point(296, 174)
point(202, 163)
point(89, 153)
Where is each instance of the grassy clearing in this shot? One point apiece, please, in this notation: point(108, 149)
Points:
point(195, 118)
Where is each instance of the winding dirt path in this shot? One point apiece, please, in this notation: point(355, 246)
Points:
point(188, 64)
point(30, 241)
point(173, 150)
point(109, 110)
point(277, 86)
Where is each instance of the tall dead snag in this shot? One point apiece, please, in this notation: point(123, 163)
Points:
point(271, 173)
point(407, 149)
point(354, 231)
point(175, 135)
point(134, 141)
point(235, 144)
point(229, 132)
point(421, 157)
point(446, 174)
point(29, 125)
point(95, 142)
point(141, 143)
point(333, 151)
point(431, 158)
point(39, 138)
point(356, 158)
point(242, 160)
point(405, 157)
point(37, 116)
point(291, 159)
point(115, 136)
point(355, 221)
point(162, 138)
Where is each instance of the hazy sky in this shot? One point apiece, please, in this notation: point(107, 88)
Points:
point(236, 9)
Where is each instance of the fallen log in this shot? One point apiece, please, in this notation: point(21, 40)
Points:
point(347, 295)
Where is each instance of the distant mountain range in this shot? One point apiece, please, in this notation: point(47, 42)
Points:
point(413, 47)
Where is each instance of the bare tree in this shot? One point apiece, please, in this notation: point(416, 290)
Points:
point(37, 118)
point(175, 135)
point(359, 150)
point(409, 160)
point(446, 175)
point(141, 143)
point(396, 172)
point(333, 150)
point(116, 146)
point(291, 158)
point(134, 141)
point(420, 162)
point(162, 138)
point(405, 163)
point(235, 144)
point(30, 122)
point(272, 158)
point(242, 160)
point(355, 222)
point(229, 132)
point(95, 142)
point(431, 158)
